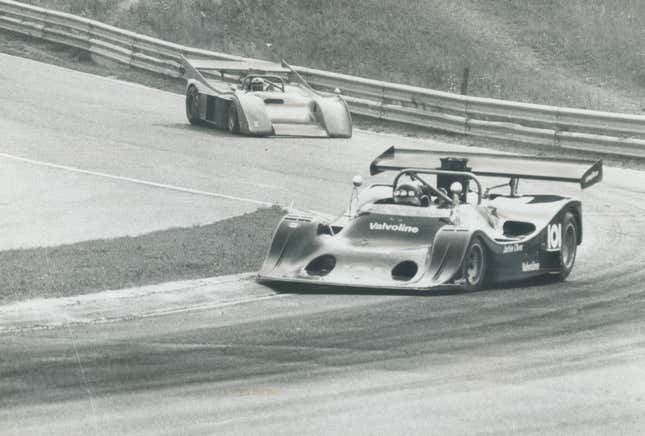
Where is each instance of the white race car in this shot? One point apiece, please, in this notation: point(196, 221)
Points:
point(264, 103)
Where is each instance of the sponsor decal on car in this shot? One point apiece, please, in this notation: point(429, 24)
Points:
point(394, 227)
point(530, 266)
point(512, 248)
point(554, 237)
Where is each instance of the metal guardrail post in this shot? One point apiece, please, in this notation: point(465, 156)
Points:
point(556, 129)
point(466, 118)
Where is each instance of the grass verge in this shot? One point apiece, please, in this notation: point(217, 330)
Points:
point(230, 246)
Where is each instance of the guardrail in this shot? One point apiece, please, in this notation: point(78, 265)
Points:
point(604, 132)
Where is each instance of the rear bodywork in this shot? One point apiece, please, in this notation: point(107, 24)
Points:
point(293, 108)
point(379, 244)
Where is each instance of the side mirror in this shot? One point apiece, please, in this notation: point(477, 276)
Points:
point(357, 181)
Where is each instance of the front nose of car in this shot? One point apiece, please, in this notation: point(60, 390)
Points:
point(368, 266)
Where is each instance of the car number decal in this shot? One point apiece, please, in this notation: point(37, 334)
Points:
point(554, 237)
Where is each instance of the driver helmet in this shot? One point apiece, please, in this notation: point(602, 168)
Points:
point(257, 84)
point(411, 194)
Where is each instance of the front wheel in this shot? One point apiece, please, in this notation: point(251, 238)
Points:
point(569, 245)
point(232, 123)
point(192, 105)
point(474, 266)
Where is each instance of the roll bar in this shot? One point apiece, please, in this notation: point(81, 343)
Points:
point(415, 171)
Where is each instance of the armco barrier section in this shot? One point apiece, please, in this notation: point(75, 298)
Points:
point(604, 132)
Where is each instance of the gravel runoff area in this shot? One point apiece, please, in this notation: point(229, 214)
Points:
point(230, 246)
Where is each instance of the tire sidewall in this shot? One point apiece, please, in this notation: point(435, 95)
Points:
point(569, 221)
point(191, 95)
point(232, 119)
point(475, 243)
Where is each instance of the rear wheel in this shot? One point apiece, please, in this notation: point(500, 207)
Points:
point(232, 123)
point(192, 105)
point(474, 266)
point(569, 245)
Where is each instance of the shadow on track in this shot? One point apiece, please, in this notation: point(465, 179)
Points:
point(312, 289)
point(219, 132)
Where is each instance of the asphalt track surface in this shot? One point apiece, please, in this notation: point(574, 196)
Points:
point(555, 358)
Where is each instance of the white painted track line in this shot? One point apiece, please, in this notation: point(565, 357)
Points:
point(133, 180)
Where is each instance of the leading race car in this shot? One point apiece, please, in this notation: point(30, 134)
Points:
point(435, 225)
point(264, 102)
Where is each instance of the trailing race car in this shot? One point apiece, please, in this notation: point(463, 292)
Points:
point(264, 103)
point(436, 225)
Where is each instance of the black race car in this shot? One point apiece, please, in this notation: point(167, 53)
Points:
point(436, 225)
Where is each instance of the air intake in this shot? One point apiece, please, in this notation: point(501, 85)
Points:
point(404, 271)
point(321, 266)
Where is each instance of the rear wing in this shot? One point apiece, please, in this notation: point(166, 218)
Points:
point(584, 172)
point(235, 67)
point(194, 68)
point(190, 71)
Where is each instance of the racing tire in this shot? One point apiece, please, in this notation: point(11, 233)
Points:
point(192, 106)
point(474, 265)
point(569, 245)
point(232, 120)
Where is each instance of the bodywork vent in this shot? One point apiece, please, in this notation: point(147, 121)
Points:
point(321, 266)
point(326, 229)
point(300, 218)
point(404, 271)
point(518, 228)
